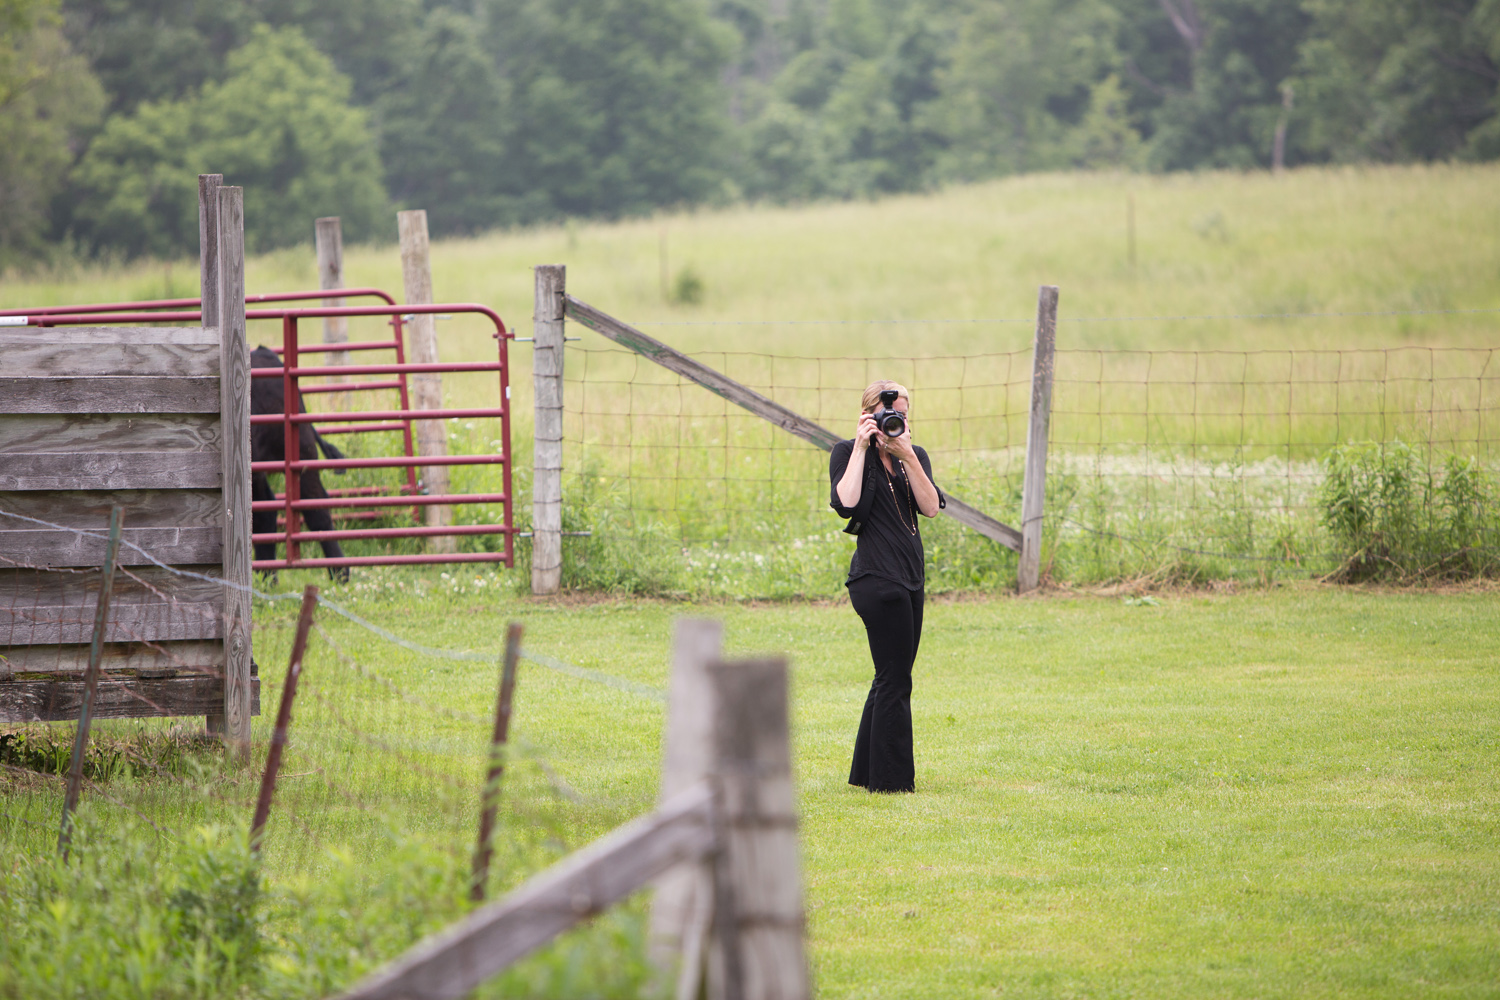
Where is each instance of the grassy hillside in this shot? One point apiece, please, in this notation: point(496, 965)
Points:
point(1406, 239)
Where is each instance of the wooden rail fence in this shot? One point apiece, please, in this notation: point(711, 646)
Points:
point(727, 920)
point(553, 304)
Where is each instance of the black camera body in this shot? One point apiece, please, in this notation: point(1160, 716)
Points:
point(891, 421)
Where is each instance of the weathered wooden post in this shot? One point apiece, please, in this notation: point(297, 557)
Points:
point(547, 384)
point(234, 405)
point(427, 389)
point(489, 798)
point(283, 718)
point(1034, 486)
point(682, 907)
point(329, 239)
point(756, 948)
point(90, 681)
point(208, 290)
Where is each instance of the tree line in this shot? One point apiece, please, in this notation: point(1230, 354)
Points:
point(492, 113)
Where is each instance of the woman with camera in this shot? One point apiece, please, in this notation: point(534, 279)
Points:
point(881, 483)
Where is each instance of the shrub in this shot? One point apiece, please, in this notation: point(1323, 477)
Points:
point(1393, 516)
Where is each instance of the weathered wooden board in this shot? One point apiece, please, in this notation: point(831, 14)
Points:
point(66, 623)
point(46, 547)
point(125, 357)
point(111, 470)
point(88, 509)
point(453, 962)
point(106, 335)
point(110, 394)
point(140, 586)
point(116, 698)
point(158, 659)
point(94, 432)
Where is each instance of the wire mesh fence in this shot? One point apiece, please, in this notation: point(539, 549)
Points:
point(375, 816)
point(1196, 462)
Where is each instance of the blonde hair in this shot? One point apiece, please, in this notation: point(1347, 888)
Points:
point(871, 399)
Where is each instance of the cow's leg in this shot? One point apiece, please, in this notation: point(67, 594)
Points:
point(263, 521)
point(319, 519)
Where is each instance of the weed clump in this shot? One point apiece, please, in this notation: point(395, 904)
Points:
point(1396, 517)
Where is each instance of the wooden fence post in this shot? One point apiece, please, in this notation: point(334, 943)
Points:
point(329, 240)
point(283, 718)
point(1034, 486)
point(234, 408)
point(432, 435)
point(547, 384)
point(682, 907)
point(756, 950)
point(90, 682)
point(208, 291)
point(489, 798)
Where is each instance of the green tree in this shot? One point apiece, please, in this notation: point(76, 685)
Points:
point(617, 105)
point(279, 125)
point(849, 114)
point(446, 128)
point(48, 99)
point(1024, 78)
point(157, 50)
point(1402, 79)
point(1240, 52)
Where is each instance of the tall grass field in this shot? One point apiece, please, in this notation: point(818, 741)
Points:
point(1219, 335)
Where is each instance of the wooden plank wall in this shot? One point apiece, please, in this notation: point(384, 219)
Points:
point(91, 418)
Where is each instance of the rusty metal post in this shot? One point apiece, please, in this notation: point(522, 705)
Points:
point(283, 718)
point(490, 797)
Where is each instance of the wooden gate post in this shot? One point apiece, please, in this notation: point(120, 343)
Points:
point(756, 949)
point(547, 385)
point(234, 407)
point(432, 436)
point(328, 237)
point(208, 291)
point(682, 907)
point(1034, 486)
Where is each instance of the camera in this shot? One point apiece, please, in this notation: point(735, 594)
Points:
point(891, 421)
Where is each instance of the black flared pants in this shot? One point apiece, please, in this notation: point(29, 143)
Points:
point(893, 624)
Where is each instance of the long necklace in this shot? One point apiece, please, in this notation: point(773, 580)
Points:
point(910, 528)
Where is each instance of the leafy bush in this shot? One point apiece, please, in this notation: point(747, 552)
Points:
point(1394, 516)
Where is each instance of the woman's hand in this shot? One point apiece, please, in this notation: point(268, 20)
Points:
point(897, 447)
point(865, 432)
point(851, 484)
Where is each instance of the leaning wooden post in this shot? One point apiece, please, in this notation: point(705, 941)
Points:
point(490, 796)
point(90, 682)
point(432, 436)
point(234, 408)
point(682, 907)
point(547, 384)
point(283, 718)
point(1034, 486)
point(329, 239)
point(208, 290)
point(757, 945)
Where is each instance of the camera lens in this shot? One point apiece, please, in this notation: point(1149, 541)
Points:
point(892, 423)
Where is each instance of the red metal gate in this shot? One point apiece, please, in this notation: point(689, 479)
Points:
point(364, 502)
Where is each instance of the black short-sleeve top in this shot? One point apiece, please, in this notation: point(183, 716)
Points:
point(886, 519)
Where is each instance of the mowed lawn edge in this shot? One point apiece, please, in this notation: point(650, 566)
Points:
point(1284, 792)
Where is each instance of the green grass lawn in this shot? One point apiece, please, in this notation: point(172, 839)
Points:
point(1282, 793)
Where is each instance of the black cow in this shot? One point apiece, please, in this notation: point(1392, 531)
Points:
point(268, 444)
